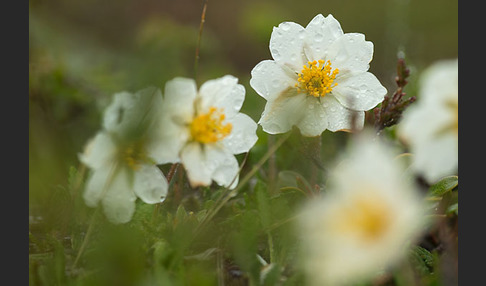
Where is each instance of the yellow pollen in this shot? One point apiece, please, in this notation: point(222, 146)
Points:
point(134, 155)
point(367, 218)
point(317, 79)
point(210, 127)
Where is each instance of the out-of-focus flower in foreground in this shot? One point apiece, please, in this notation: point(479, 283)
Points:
point(318, 78)
point(122, 157)
point(365, 220)
point(430, 127)
point(204, 129)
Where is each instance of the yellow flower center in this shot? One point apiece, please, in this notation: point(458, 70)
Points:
point(134, 155)
point(210, 127)
point(317, 79)
point(366, 217)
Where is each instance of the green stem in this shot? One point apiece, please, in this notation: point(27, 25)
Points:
point(201, 24)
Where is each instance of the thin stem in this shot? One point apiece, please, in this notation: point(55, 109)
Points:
point(201, 25)
point(86, 237)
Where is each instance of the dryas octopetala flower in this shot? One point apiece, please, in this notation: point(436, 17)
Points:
point(430, 126)
point(122, 156)
point(204, 129)
point(364, 222)
point(318, 78)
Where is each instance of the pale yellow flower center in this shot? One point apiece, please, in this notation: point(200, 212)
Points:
point(367, 218)
point(316, 78)
point(210, 127)
point(134, 155)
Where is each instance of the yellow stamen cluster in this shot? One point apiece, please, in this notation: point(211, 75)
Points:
point(209, 127)
point(134, 155)
point(368, 218)
point(317, 79)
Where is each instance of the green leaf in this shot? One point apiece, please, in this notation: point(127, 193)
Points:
point(422, 259)
point(445, 185)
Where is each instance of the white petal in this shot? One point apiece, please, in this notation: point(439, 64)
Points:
point(282, 113)
point(350, 53)
point(115, 114)
point(314, 121)
point(96, 183)
point(179, 96)
point(119, 199)
point(339, 118)
point(269, 79)
point(321, 32)
point(287, 45)
point(132, 114)
point(436, 158)
point(226, 172)
point(243, 134)
point(99, 151)
point(224, 92)
point(195, 163)
point(167, 141)
point(150, 184)
point(359, 91)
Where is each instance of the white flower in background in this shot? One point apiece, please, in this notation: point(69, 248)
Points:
point(123, 156)
point(365, 220)
point(318, 78)
point(204, 129)
point(430, 126)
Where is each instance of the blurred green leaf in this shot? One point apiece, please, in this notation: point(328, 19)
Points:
point(445, 185)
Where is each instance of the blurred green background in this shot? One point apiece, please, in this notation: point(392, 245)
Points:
point(81, 52)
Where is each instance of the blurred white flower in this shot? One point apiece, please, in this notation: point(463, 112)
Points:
point(430, 126)
point(204, 129)
point(318, 78)
point(123, 156)
point(364, 222)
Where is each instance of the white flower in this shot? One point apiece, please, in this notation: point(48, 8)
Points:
point(204, 129)
point(430, 126)
point(123, 156)
point(318, 78)
point(365, 220)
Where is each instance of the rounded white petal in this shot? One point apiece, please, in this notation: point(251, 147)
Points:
point(269, 79)
point(179, 96)
point(195, 162)
point(321, 32)
point(243, 134)
point(359, 91)
point(224, 92)
point(436, 158)
point(167, 141)
point(339, 118)
point(119, 199)
point(150, 185)
point(287, 45)
point(96, 183)
point(313, 121)
point(114, 117)
point(99, 151)
point(282, 113)
point(226, 172)
point(350, 53)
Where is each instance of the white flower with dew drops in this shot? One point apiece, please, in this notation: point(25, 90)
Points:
point(318, 78)
point(365, 221)
point(430, 126)
point(122, 156)
point(204, 129)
